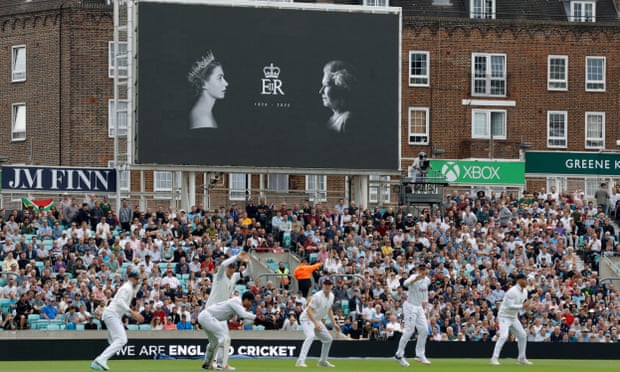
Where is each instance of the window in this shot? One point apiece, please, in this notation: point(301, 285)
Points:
point(557, 73)
point(277, 182)
point(375, 183)
point(489, 121)
point(418, 125)
point(560, 183)
point(376, 2)
point(556, 129)
point(121, 115)
point(163, 181)
point(595, 74)
point(123, 177)
point(489, 75)
point(591, 185)
point(482, 9)
point(18, 128)
point(583, 11)
point(122, 60)
point(239, 186)
point(595, 130)
point(316, 188)
point(18, 63)
point(418, 69)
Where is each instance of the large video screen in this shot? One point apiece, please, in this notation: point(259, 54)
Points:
point(267, 87)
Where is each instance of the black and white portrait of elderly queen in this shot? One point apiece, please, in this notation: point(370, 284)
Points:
point(207, 79)
point(337, 92)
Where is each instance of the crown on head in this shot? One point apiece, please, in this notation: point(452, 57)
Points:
point(200, 65)
point(271, 71)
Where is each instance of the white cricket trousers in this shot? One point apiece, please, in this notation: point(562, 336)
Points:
point(414, 319)
point(217, 333)
point(117, 337)
point(505, 326)
point(310, 332)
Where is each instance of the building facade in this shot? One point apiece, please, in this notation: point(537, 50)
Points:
point(490, 80)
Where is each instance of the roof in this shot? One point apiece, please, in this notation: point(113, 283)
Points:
point(555, 10)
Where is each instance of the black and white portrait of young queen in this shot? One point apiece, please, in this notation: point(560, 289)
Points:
point(337, 93)
point(207, 79)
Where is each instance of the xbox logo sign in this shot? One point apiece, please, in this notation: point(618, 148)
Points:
point(451, 171)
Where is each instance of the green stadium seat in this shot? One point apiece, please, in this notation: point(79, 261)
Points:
point(48, 244)
point(144, 327)
point(79, 327)
point(241, 288)
point(33, 318)
point(313, 258)
point(132, 327)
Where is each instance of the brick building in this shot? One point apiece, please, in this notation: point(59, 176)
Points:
point(480, 79)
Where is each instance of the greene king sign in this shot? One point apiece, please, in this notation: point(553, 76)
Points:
point(575, 163)
point(473, 172)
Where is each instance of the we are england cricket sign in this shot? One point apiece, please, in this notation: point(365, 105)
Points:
point(474, 172)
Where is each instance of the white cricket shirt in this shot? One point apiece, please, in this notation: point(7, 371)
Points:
point(227, 309)
point(320, 304)
point(417, 292)
point(513, 302)
point(121, 302)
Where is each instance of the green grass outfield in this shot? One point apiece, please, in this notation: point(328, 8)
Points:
point(342, 365)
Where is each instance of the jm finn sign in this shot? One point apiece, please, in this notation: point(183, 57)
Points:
point(58, 179)
point(575, 163)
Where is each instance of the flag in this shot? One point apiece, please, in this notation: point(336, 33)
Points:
point(38, 204)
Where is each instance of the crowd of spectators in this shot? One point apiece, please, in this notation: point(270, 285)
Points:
point(70, 260)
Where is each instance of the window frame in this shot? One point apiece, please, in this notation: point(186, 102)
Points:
point(583, 17)
point(14, 52)
point(156, 181)
point(123, 68)
point(427, 76)
point(603, 81)
point(374, 187)
point(239, 193)
point(276, 187)
point(484, 13)
point(112, 117)
point(426, 110)
point(551, 81)
point(489, 124)
point(488, 78)
point(565, 129)
point(374, 3)
point(119, 177)
point(602, 138)
point(321, 191)
point(14, 116)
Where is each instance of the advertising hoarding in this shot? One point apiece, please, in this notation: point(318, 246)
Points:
point(58, 179)
point(475, 172)
point(575, 163)
point(258, 86)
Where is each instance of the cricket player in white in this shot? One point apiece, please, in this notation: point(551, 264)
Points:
point(224, 284)
point(319, 307)
point(112, 316)
point(413, 311)
point(508, 318)
point(213, 321)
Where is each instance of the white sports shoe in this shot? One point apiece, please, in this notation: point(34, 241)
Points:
point(524, 362)
point(422, 360)
point(301, 364)
point(401, 360)
point(101, 365)
point(325, 364)
point(95, 366)
point(494, 362)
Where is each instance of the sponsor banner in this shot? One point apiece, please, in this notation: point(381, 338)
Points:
point(72, 348)
point(572, 163)
point(474, 172)
point(259, 85)
point(15, 178)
